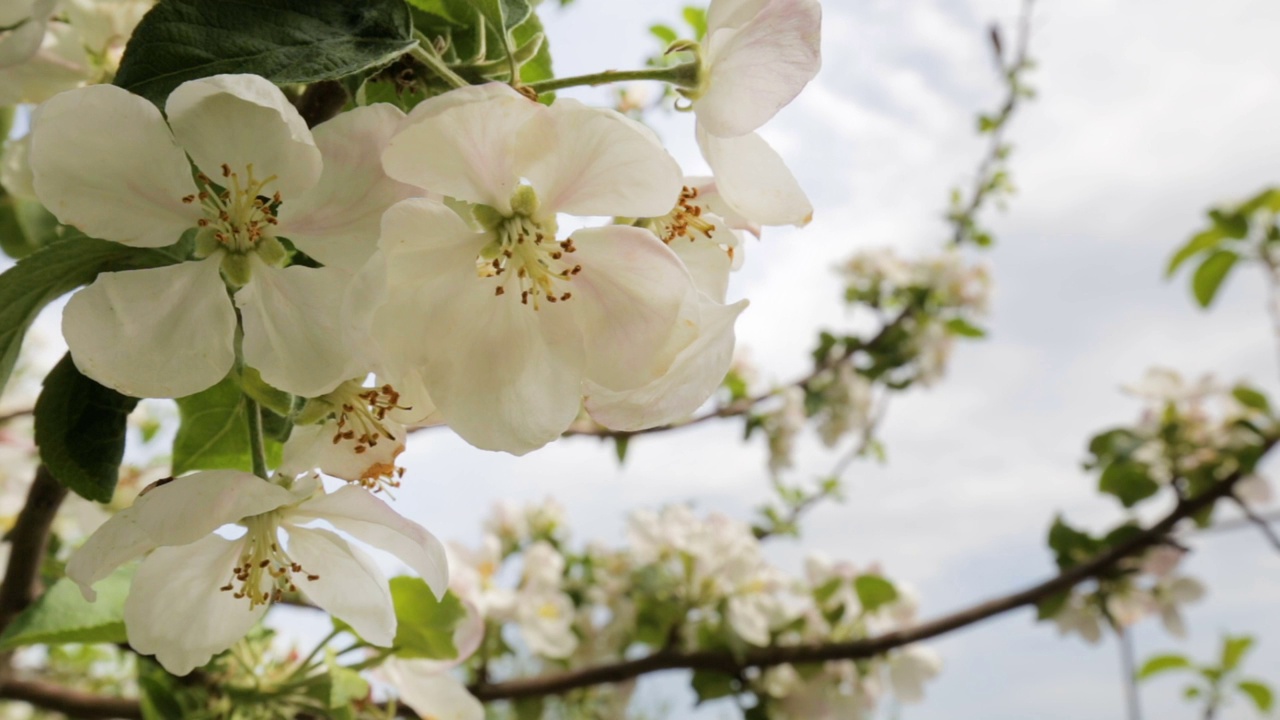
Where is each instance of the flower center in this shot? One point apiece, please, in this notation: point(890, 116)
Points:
point(265, 571)
point(684, 221)
point(238, 213)
point(525, 255)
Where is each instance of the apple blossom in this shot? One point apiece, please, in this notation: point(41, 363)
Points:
point(22, 28)
point(349, 434)
point(429, 693)
point(529, 317)
point(169, 331)
point(196, 592)
point(909, 669)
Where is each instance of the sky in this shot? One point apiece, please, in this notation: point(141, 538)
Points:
point(1148, 113)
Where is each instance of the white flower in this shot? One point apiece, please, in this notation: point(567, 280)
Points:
point(782, 426)
point(473, 578)
point(543, 567)
point(759, 55)
point(356, 440)
point(1164, 385)
point(546, 619)
point(431, 694)
point(1169, 595)
point(59, 62)
point(168, 332)
point(909, 669)
point(1254, 490)
point(197, 592)
point(105, 25)
point(22, 28)
point(507, 321)
point(1080, 617)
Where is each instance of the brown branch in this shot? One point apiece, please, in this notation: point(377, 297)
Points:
point(29, 540)
point(766, 657)
point(1257, 520)
point(73, 703)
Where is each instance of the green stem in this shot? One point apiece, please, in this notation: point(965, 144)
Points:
point(306, 662)
point(427, 55)
point(257, 448)
point(684, 75)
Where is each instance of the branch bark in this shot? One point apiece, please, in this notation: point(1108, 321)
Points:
point(73, 703)
point(29, 540)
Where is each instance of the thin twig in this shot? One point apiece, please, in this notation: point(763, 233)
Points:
point(1257, 520)
point(29, 540)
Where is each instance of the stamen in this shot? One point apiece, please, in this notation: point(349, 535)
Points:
point(263, 567)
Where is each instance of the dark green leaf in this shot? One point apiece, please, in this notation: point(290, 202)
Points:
point(1049, 607)
point(1232, 224)
point(504, 14)
point(1129, 481)
point(529, 708)
point(214, 434)
point(1260, 694)
point(1070, 546)
point(80, 428)
point(455, 12)
point(424, 625)
point(874, 592)
point(710, 685)
point(62, 615)
point(285, 41)
point(1162, 663)
point(620, 445)
point(1210, 275)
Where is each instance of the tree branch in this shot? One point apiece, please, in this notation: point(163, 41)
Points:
point(73, 703)
point(29, 539)
point(767, 657)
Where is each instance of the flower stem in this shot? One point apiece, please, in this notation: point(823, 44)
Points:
point(426, 54)
point(684, 75)
point(257, 448)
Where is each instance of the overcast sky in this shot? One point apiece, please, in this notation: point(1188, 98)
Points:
point(1149, 112)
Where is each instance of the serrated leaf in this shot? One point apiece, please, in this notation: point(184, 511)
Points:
point(874, 592)
point(80, 430)
point(505, 14)
point(1261, 695)
point(285, 41)
point(55, 270)
point(425, 625)
point(214, 431)
point(1210, 275)
point(1162, 664)
point(62, 615)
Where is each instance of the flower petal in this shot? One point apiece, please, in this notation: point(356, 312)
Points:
point(696, 373)
point(159, 333)
point(179, 512)
point(466, 144)
point(757, 69)
point(338, 221)
point(436, 696)
point(19, 44)
point(244, 120)
point(627, 300)
point(350, 586)
point(176, 611)
point(128, 190)
point(294, 328)
point(600, 162)
point(354, 510)
point(708, 262)
point(312, 446)
point(732, 13)
point(754, 181)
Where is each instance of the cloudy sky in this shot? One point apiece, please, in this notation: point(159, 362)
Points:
point(1149, 112)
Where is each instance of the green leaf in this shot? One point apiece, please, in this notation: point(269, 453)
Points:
point(80, 429)
point(345, 686)
point(1233, 651)
point(529, 708)
point(1232, 224)
point(1201, 242)
point(214, 434)
point(620, 445)
point(963, 328)
point(711, 685)
point(55, 270)
point(538, 67)
point(505, 14)
point(696, 17)
point(456, 12)
point(1070, 546)
point(1129, 481)
point(1251, 398)
point(827, 590)
point(665, 34)
point(1260, 694)
point(1161, 664)
point(285, 41)
point(1210, 275)
point(1049, 607)
point(874, 592)
point(424, 625)
point(62, 615)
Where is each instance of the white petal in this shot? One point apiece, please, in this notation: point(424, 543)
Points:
point(16, 11)
point(21, 43)
point(338, 221)
point(312, 446)
point(754, 180)
point(439, 697)
point(60, 64)
point(128, 190)
point(160, 333)
point(755, 70)
point(910, 669)
point(696, 373)
point(350, 586)
point(748, 620)
point(600, 162)
point(732, 13)
point(176, 611)
point(627, 299)
point(179, 512)
point(243, 120)
point(356, 511)
point(466, 144)
point(294, 329)
point(708, 262)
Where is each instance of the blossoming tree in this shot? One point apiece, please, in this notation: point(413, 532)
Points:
point(320, 227)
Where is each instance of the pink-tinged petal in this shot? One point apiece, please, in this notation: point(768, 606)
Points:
point(356, 511)
point(178, 512)
point(158, 333)
point(754, 180)
point(176, 609)
point(732, 13)
point(429, 694)
point(707, 262)
point(348, 584)
point(604, 163)
point(244, 120)
point(128, 190)
point(628, 299)
point(709, 197)
point(467, 144)
point(696, 373)
point(338, 221)
point(758, 68)
point(295, 332)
